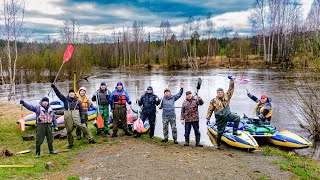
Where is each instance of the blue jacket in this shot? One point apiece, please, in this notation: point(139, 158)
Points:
point(36, 109)
point(119, 93)
point(149, 103)
point(167, 104)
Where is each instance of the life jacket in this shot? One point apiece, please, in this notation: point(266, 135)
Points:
point(103, 97)
point(45, 117)
point(122, 99)
point(84, 101)
point(262, 109)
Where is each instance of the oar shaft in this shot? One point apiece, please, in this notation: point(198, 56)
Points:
point(56, 77)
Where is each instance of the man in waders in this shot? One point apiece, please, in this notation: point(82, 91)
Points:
point(149, 101)
point(45, 118)
point(103, 95)
point(119, 97)
point(190, 117)
point(86, 103)
point(168, 113)
point(220, 107)
point(73, 113)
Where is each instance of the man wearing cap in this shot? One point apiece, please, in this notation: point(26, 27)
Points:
point(220, 105)
point(73, 114)
point(190, 117)
point(86, 103)
point(168, 113)
point(149, 101)
point(263, 107)
point(119, 97)
point(45, 118)
point(103, 95)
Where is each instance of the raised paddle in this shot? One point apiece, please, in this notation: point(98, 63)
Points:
point(67, 55)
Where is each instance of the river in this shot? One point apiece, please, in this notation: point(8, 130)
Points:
point(267, 81)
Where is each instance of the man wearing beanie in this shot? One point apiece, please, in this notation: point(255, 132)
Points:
point(45, 118)
point(73, 114)
point(190, 117)
point(102, 96)
point(220, 105)
point(119, 97)
point(263, 107)
point(168, 113)
point(149, 101)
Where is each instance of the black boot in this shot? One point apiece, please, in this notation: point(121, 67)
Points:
point(37, 151)
point(128, 133)
point(187, 139)
point(198, 141)
point(218, 143)
point(164, 140)
point(50, 146)
point(92, 141)
point(114, 134)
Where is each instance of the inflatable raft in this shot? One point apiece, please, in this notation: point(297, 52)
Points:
point(243, 141)
point(277, 137)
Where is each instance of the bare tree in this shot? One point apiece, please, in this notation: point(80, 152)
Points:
point(209, 31)
point(13, 16)
point(70, 31)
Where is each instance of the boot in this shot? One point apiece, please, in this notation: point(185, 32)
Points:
point(235, 128)
point(164, 140)
point(175, 141)
point(128, 133)
point(114, 134)
point(70, 146)
point(37, 151)
point(78, 137)
point(218, 143)
point(198, 141)
point(92, 141)
point(37, 154)
point(187, 138)
point(53, 152)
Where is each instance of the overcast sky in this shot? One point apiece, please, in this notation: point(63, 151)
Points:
point(99, 18)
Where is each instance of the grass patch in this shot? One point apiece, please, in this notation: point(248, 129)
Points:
point(303, 167)
point(11, 139)
point(263, 177)
point(73, 178)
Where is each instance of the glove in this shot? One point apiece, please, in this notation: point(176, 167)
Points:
point(208, 122)
point(231, 78)
point(129, 102)
point(56, 128)
point(52, 85)
point(182, 122)
point(21, 102)
point(261, 116)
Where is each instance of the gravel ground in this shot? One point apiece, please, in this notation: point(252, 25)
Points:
point(129, 158)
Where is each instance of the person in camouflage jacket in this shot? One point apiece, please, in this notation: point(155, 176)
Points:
point(190, 117)
point(220, 105)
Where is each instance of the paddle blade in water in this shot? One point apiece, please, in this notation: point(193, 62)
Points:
point(100, 122)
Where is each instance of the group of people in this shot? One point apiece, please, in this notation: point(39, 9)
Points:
point(76, 116)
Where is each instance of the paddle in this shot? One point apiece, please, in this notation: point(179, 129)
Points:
point(66, 57)
point(100, 122)
point(21, 124)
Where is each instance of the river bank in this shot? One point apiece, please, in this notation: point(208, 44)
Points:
point(127, 157)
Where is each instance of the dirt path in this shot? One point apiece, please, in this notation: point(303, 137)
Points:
point(138, 159)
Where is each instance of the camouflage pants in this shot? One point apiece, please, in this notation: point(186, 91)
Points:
point(172, 121)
